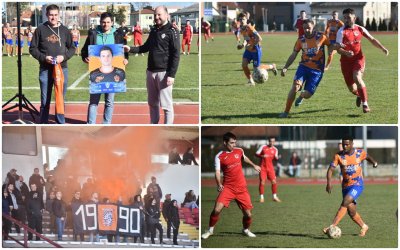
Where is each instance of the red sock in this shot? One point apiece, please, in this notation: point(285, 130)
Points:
point(188, 48)
point(246, 221)
point(274, 188)
point(363, 94)
point(261, 188)
point(213, 219)
point(183, 47)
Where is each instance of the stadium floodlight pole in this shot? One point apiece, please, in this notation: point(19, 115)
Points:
point(23, 102)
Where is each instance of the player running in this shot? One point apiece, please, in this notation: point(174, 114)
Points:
point(76, 36)
point(352, 60)
point(268, 153)
point(187, 37)
point(235, 25)
point(332, 28)
point(234, 186)
point(206, 27)
point(350, 162)
point(251, 43)
point(311, 67)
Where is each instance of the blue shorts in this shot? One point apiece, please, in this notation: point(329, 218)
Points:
point(332, 41)
point(21, 44)
point(76, 44)
point(253, 56)
point(29, 44)
point(309, 77)
point(353, 191)
point(236, 32)
point(9, 41)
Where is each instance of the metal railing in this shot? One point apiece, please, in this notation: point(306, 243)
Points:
point(26, 230)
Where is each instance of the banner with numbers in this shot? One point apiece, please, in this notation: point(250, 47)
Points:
point(107, 219)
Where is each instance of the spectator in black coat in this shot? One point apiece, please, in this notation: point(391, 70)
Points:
point(154, 221)
point(15, 199)
point(34, 209)
point(165, 212)
point(37, 179)
point(11, 176)
point(188, 157)
point(174, 219)
point(49, 207)
point(174, 157)
point(6, 208)
point(190, 200)
point(155, 189)
point(76, 202)
point(59, 211)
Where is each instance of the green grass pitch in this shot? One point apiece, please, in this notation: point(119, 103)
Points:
point(186, 87)
point(297, 222)
point(227, 99)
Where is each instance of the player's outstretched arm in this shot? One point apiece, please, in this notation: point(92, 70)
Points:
point(329, 180)
point(372, 161)
point(248, 161)
point(377, 44)
point(289, 62)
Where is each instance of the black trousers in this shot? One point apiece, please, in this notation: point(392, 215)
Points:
point(153, 232)
point(175, 232)
point(168, 229)
point(6, 228)
point(35, 222)
point(142, 232)
point(15, 214)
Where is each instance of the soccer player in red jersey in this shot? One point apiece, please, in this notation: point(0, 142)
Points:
point(235, 25)
point(332, 28)
point(234, 186)
point(187, 37)
point(206, 27)
point(298, 25)
point(268, 153)
point(350, 162)
point(311, 67)
point(137, 36)
point(352, 61)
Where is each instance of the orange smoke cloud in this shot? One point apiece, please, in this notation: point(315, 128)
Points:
point(118, 163)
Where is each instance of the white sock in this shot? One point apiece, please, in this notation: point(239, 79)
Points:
point(261, 196)
point(274, 196)
point(245, 230)
point(211, 229)
point(365, 103)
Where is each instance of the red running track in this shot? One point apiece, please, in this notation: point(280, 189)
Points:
point(124, 113)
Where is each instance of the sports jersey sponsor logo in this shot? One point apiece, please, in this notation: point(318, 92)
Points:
point(236, 156)
point(356, 33)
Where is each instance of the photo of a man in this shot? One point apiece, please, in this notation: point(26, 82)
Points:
point(107, 73)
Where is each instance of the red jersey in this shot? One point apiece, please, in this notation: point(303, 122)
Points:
point(299, 27)
point(137, 31)
point(230, 163)
point(351, 39)
point(313, 50)
point(188, 32)
point(268, 155)
point(206, 25)
point(332, 28)
point(350, 166)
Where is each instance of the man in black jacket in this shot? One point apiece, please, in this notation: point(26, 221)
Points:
point(162, 65)
point(34, 208)
point(105, 33)
point(51, 44)
point(174, 219)
point(165, 212)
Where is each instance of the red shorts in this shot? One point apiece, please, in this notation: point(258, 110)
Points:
point(348, 67)
point(138, 41)
point(207, 32)
point(242, 198)
point(186, 41)
point(268, 172)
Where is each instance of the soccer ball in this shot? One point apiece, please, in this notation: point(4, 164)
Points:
point(334, 232)
point(260, 75)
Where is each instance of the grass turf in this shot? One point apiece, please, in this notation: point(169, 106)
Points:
point(299, 219)
point(227, 99)
point(186, 81)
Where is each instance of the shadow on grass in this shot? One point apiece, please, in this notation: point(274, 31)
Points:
point(262, 115)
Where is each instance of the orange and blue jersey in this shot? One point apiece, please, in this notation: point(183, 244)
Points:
point(350, 167)
point(249, 35)
point(332, 28)
point(313, 50)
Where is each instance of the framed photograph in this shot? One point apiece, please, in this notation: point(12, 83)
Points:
point(107, 70)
